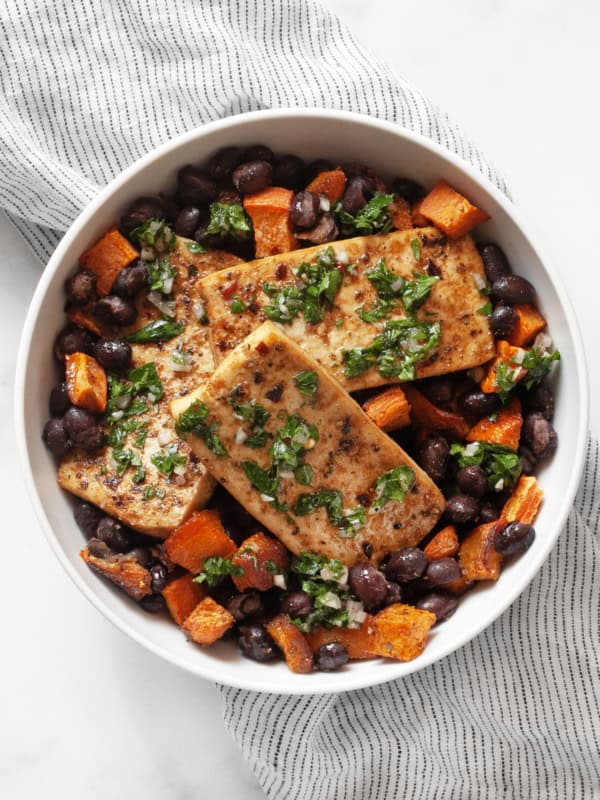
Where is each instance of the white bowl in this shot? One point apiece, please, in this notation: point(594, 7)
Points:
point(311, 134)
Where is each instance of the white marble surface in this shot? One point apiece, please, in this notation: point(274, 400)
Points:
point(83, 711)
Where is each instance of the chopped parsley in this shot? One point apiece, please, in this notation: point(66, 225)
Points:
point(119, 430)
point(265, 481)
point(505, 379)
point(393, 485)
point(287, 302)
point(193, 420)
point(237, 306)
point(229, 219)
point(304, 474)
point(307, 382)
point(392, 287)
point(325, 580)
point(394, 352)
point(167, 459)
point(333, 503)
point(486, 310)
point(256, 417)
point(216, 567)
point(145, 380)
point(195, 247)
point(290, 445)
point(415, 246)
point(353, 519)
point(157, 331)
point(127, 458)
point(501, 465)
point(373, 217)
point(309, 565)
point(161, 275)
point(538, 364)
point(155, 233)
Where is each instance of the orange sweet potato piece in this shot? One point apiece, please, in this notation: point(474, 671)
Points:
point(505, 353)
point(425, 414)
point(201, 536)
point(107, 258)
point(269, 211)
point(261, 557)
point(85, 319)
point(418, 220)
point(120, 568)
point(444, 544)
point(524, 503)
point(207, 622)
point(401, 216)
point(505, 430)
point(296, 650)
point(400, 631)
point(450, 211)
point(182, 595)
point(477, 555)
point(529, 323)
point(86, 382)
point(357, 641)
point(331, 183)
point(389, 410)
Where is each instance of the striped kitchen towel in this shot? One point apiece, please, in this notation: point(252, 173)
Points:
point(86, 88)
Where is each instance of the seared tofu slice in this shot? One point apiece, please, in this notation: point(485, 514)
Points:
point(159, 503)
point(454, 301)
point(292, 446)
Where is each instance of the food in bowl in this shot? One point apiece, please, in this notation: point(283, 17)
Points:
point(221, 419)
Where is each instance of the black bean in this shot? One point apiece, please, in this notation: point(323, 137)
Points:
point(72, 340)
point(131, 280)
point(358, 191)
point(393, 594)
point(113, 354)
point(194, 187)
point(255, 643)
point(406, 564)
point(462, 508)
point(252, 176)
point(98, 548)
point(115, 310)
point(438, 390)
point(502, 321)
point(516, 537)
point(153, 603)
point(288, 171)
point(59, 402)
point(442, 604)
point(326, 230)
point(83, 429)
point(142, 210)
point(540, 398)
point(513, 289)
point(114, 534)
point(187, 221)
point(142, 555)
point(539, 435)
point(479, 404)
point(368, 584)
point(432, 455)
point(87, 517)
point(245, 605)
point(528, 460)
point(229, 196)
point(304, 211)
point(159, 574)
point(443, 570)
point(495, 262)
point(81, 288)
point(330, 656)
point(315, 167)
point(56, 437)
point(259, 152)
point(410, 190)
point(297, 604)
point(472, 480)
point(488, 512)
point(222, 163)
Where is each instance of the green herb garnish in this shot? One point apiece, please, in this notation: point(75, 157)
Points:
point(501, 465)
point(393, 485)
point(127, 458)
point(167, 459)
point(193, 420)
point(290, 445)
point(214, 568)
point(161, 275)
point(415, 246)
point(265, 481)
point(373, 217)
point(195, 247)
point(304, 474)
point(155, 233)
point(307, 382)
point(538, 364)
point(486, 310)
point(229, 219)
point(256, 417)
point(158, 331)
point(329, 499)
point(237, 306)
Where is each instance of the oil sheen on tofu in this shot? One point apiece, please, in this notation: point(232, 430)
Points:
point(299, 453)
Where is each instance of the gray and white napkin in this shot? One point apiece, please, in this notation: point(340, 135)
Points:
point(86, 88)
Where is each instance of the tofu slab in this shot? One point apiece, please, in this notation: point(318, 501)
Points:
point(92, 476)
point(466, 340)
point(349, 456)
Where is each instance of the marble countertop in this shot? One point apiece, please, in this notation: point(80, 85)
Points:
point(84, 711)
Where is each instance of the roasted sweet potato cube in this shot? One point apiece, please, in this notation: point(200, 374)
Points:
point(200, 537)
point(505, 429)
point(401, 216)
point(331, 184)
point(508, 355)
point(418, 220)
point(357, 641)
point(207, 622)
point(450, 211)
point(524, 503)
point(425, 414)
point(86, 382)
point(477, 556)
point(182, 595)
point(293, 644)
point(389, 410)
point(529, 323)
point(107, 258)
point(444, 544)
point(269, 211)
point(400, 631)
point(261, 557)
point(121, 568)
point(86, 319)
